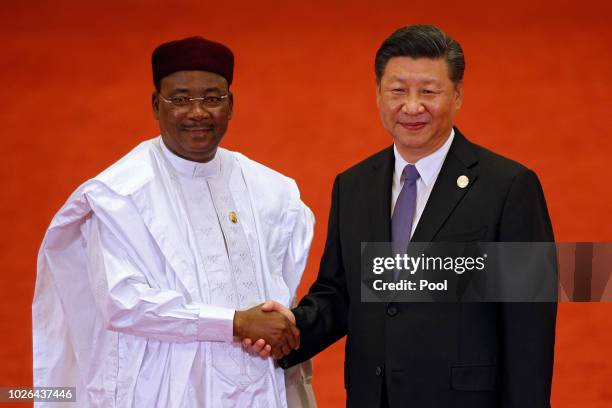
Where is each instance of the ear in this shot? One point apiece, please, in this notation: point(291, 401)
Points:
point(378, 94)
point(459, 95)
point(231, 105)
point(155, 104)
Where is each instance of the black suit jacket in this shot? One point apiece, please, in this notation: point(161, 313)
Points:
point(433, 354)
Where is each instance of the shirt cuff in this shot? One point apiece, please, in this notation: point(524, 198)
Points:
point(216, 324)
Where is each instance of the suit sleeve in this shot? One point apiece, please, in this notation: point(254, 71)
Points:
point(322, 314)
point(527, 329)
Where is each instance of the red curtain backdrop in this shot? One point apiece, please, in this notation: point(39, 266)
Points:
point(76, 90)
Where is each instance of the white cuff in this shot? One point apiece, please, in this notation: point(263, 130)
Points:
point(216, 324)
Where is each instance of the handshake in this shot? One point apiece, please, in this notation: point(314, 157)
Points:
point(267, 329)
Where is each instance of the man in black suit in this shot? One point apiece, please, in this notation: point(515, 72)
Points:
point(417, 355)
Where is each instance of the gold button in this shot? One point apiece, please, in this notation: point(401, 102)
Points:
point(462, 181)
point(233, 217)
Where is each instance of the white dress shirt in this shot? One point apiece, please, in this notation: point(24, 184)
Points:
point(428, 168)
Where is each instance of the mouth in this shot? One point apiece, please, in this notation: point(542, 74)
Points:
point(198, 131)
point(413, 125)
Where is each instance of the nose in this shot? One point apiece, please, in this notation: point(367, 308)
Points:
point(197, 111)
point(412, 105)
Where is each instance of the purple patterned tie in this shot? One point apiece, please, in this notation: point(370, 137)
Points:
point(401, 221)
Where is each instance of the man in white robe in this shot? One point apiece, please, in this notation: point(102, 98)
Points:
point(151, 273)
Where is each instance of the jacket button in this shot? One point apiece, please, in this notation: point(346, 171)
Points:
point(379, 371)
point(392, 311)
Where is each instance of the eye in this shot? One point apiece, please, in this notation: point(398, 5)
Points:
point(429, 92)
point(398, 91)
point(214, 100)
point(180, 100)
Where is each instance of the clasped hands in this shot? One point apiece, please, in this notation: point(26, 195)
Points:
point(272, 325)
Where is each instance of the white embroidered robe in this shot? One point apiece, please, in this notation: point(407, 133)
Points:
point(140, 272)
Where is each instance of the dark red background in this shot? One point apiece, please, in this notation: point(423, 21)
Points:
point(75, 96)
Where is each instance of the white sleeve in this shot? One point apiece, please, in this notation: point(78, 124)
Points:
point(130, 305)
point(297, 252)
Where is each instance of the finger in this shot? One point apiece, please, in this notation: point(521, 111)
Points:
point(289, 315)
point(277, 353)
point(265, 353)
point(247, 346)
point(283, 345)
point(258, 346)
point(286, 349)
point(281, 351)
point(293, 334)
point(296, 332)
point(291, 338)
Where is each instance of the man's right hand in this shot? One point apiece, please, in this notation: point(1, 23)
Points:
point(260, 347)
point(271, 326)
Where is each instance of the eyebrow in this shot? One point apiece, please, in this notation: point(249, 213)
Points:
point(211, 89)
point(423, 81)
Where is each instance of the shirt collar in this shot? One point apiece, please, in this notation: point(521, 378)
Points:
point(428, 166)
point(190, 168)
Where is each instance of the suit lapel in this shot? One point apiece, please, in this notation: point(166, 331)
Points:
point(461, 160)
point(379, 197)
point(378, 204)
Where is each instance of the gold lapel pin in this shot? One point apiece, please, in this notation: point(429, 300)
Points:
point(233, 217)
point(463, 181)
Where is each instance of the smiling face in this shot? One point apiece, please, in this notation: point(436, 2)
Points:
point(195, 131)
point(418, 103)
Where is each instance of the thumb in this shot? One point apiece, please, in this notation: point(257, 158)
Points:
point(272, 306)
point(269, 306)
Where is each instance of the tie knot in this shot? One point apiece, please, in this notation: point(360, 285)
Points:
point(411, 173)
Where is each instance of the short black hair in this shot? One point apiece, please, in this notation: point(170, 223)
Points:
point(421, 41)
